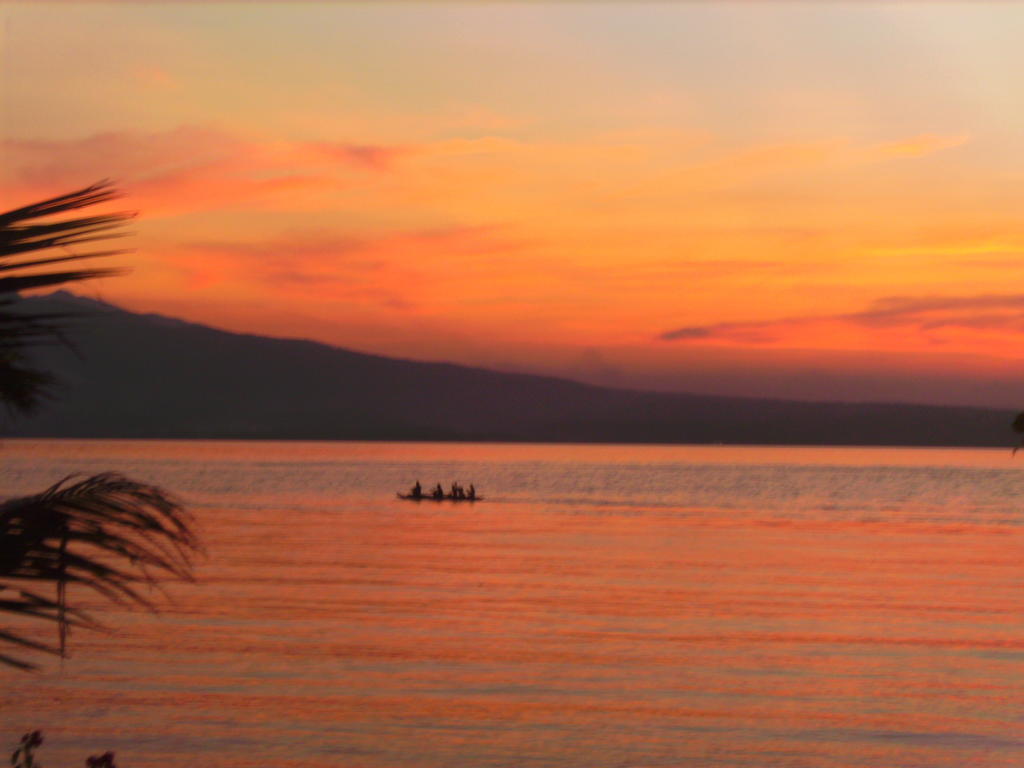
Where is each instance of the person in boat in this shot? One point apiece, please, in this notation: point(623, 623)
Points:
point(471, 493)
point(456, 488)
point(417, 491)
point(438, 492)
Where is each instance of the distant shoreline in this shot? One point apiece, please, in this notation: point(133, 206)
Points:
point(445, 441)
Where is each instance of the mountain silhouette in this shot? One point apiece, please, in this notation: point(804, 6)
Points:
point(149, 376)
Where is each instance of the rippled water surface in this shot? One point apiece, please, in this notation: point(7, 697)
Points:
point(603, 606)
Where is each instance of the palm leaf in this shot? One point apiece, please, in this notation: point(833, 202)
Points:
point(24, 233)
point(100, 192)
point(106, 533)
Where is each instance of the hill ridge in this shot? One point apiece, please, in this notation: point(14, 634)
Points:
point(150, 375)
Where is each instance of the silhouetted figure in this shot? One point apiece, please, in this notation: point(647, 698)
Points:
point(471, 494)
point(455, 491)
point(106, 760)
point(438, 492)
point(417, 490)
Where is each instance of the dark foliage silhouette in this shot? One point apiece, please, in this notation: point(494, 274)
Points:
point(24, 234)
point(24, 755)
point(1018, 426)
point(106, 533)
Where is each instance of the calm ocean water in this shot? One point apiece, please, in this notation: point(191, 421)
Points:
point(605, 606)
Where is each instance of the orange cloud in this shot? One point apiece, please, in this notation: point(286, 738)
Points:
point(523, 238)
point(977, 324)
point(992, 248)
point(194, 169)
point(918, 146)
point(402, 269)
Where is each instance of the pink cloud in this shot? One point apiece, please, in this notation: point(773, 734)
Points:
point(191, 168)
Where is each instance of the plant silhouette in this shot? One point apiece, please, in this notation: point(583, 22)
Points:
point(107, 532)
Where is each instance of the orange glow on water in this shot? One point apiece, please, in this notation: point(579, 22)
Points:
point(348, 622)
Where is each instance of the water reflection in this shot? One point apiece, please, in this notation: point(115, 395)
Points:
point(615, 606)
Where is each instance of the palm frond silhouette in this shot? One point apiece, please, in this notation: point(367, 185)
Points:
point(106, 533)
point(24, 234)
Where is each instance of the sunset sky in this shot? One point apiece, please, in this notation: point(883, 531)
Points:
point(807, 200)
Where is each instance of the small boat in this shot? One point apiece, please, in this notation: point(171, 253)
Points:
point(428, 497)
